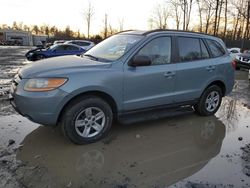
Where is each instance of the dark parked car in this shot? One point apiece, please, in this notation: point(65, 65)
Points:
point(53, 51)
point(243, 60)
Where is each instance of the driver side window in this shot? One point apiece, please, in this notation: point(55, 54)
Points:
point(158, 51)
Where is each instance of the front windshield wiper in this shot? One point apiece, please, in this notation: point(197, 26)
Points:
point(91, 56)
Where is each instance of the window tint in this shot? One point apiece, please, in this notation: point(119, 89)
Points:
point(216, 48)
point(158, 50)
point(189, 49)
point(204, 52)
point(60, 47)
point(72, 48)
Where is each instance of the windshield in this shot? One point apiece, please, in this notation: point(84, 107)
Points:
point(114, 47)
point(52, 47)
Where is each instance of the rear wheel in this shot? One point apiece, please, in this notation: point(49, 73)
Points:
point(86, 120)
point(210, 101)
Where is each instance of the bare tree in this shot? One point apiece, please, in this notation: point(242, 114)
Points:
point(186, 6)
point(121, 23)
point(225, 23)
point(190, 3)
point(216, 15)
point(200, 13)
point(159, 17)
point(219, 17)
point(88, 16)
point(208, 11)
point(105, 25)
point(176, 12)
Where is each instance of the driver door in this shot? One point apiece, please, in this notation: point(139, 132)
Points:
point(153, 85)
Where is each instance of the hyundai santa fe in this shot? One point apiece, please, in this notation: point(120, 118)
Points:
point(128, 73)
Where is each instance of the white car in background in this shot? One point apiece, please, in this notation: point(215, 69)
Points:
point(234, 52)
point(85, 44)
point(249, 75)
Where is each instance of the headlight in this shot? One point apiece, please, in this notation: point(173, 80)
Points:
point(44, 84)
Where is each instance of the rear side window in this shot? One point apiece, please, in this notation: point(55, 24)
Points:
point(216, 49)
point(191, 49)
point(204, 52)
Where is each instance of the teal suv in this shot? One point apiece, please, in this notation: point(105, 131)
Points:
point(128, 73)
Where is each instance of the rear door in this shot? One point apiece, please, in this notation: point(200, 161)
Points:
point(194, 68)
point(153, 85)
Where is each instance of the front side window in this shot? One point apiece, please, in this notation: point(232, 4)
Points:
point(216, 49)
point(158, 51)
point(60, 47)
point(73, 48)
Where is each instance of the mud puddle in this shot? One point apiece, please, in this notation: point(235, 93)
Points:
point(192, 151)
point(185, 151)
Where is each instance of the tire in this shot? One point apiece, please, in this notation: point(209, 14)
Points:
point(80, 122)
point(206, 107)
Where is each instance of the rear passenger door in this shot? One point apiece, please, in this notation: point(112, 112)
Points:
point(194, 68)
point(153, 85)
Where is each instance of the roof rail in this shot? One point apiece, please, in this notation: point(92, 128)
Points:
point(124, 31)
point(175, 30)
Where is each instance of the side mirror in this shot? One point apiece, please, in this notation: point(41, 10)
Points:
point(140, 61)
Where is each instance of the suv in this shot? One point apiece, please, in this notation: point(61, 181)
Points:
point(128, 73)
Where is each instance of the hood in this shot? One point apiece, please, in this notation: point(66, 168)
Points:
point(59, 63)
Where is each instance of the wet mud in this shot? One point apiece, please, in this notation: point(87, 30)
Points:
point(184, 151)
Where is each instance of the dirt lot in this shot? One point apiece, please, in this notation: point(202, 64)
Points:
point(184, 151)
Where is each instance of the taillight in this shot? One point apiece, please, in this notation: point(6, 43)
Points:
point(234, 64)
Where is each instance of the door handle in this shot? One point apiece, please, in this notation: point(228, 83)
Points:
point(169, 74)
point(210, 68)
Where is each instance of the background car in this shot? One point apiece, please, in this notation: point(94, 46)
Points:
point(243, 60)
point(85, 44)
point(53, 51)
point(234, 52)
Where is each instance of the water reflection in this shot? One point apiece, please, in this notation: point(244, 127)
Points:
point(157, 153)
point(228, 113)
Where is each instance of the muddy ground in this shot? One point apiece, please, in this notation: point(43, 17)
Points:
point(184, 151)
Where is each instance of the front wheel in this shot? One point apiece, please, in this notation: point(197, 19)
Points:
point(86, 120)
point(210, 101)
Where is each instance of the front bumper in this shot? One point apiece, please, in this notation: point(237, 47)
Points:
point(40, 107)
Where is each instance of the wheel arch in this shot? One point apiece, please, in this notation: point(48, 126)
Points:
point(219, 83)
point(103, 95)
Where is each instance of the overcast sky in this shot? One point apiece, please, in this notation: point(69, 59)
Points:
point(70, 12)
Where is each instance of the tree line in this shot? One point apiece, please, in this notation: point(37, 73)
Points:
point(228, 19)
